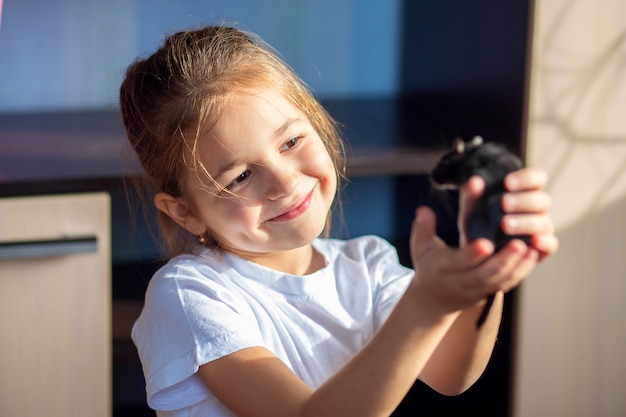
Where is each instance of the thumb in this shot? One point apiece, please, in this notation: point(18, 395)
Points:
point(423, 232)
point(468, 194)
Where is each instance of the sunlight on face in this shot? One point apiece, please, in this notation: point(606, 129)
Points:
point(275, 180)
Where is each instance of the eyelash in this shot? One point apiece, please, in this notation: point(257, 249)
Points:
point(291, 143)
point(241, 178)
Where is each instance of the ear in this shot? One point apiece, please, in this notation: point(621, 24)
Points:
point(477, 140)
point(458, 145)
point(179, 211)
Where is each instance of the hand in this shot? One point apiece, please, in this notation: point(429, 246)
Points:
point(526, 205)
point(448, 280)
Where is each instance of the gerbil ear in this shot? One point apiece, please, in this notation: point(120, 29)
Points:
point(179, 211)
point(477, 140)
point(458, 145)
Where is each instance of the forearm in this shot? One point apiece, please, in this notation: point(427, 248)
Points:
point(371, 384)
point(464, 352)
point(376, 380)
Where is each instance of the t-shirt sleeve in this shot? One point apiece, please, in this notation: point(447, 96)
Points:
point(188, 320)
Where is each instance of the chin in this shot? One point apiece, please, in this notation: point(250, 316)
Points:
point(297, 240)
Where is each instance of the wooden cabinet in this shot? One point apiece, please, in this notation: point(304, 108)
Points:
point(55, 306)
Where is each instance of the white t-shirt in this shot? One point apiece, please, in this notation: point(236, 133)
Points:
point(201, 307)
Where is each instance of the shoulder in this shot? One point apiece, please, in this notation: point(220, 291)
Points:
point(189, 279)
point(190, 300)
point(191, 316)
point(189, 268)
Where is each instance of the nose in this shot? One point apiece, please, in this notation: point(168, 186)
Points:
point(281, 181)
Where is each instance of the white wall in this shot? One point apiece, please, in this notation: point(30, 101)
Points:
point(571, 338)
point(71, 54)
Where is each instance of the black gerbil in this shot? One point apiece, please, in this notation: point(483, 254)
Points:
point(492, 162)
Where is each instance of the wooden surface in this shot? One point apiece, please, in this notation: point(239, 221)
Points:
point(57, 146)
point(55, 312)
point(571, 335)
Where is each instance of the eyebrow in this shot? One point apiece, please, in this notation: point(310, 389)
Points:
point(225, 168)
point(286, 126)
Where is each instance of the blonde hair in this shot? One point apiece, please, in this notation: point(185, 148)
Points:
point(167, 97)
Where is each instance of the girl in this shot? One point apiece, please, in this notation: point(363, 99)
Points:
point(256, 315)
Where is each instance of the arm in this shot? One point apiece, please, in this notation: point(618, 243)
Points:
point(464, 352)
point(426, 335)
point(253, 382)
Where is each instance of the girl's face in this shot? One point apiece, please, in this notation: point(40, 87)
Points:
point(275, 180)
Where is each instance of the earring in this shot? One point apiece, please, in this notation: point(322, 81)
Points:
point(201, 239)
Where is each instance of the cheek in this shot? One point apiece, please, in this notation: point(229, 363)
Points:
point(230, 214)
point(331, 177)
point(323, 166)
point(237, 211)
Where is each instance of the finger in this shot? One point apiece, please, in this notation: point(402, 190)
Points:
point(519, 271)
point(529, 178)
point(424, 241)
point(423, 232)
point(526, 202)
point(468, 194)
point(512, 262)
point(474, 253)
point(527, 224)
point(471, 191)
point(546, 245)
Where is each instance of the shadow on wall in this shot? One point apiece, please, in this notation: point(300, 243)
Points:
point(572, 356)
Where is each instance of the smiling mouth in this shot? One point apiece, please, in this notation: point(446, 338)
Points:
point(295, 211)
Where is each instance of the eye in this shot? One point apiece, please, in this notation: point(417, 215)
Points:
point(241, 178)
point(291, 143)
